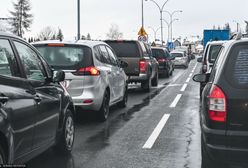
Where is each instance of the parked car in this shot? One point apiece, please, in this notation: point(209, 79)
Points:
point(224, 109)
point(181, 58)
point(166, 65)
point(94, 76)
point(36, 112)
point(207, 60)
point(143, 68)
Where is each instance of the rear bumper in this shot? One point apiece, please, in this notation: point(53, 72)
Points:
point(140, 78)
point(219, 148)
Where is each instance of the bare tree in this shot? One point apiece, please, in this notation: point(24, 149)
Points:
point(47, 33)
point(114, 32)
point(21, 18)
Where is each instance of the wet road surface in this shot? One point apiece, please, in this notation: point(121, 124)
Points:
point(166, 119)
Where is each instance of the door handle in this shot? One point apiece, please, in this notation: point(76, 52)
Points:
point(3, 99)
point(37, 98)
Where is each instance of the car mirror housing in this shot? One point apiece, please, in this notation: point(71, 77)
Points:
point(200, 78)
point(59, 76)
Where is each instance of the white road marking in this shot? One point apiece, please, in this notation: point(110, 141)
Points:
point(171, 85)
point(188, 79)
point(175, 101)
point(184, 87)
point(190, 74)
point(153, 137)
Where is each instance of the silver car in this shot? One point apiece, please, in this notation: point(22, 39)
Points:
point(94, 77)
point(181, 58)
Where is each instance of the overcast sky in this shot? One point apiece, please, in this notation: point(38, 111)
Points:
point(98, 15)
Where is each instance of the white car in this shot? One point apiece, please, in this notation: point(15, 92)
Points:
point(93, 75)
point(181, 58)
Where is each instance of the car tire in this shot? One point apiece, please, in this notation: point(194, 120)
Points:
point(123, 103)
point(65, 141)
point(155, 80)
point(104, 110)
point(146, 85)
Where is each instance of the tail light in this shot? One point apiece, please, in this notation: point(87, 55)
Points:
point(88, 71)
point(217, 104)
point(142, 65)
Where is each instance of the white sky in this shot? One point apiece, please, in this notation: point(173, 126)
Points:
point(98, 15)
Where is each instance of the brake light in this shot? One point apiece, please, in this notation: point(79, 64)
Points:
point(56, 45)
point(88, 71)
point(142, 65)
point(217, 104)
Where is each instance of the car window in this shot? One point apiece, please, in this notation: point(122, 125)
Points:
point(104, 54)
point(32, 64)
point(144, 50)
point(8, 64)
point(158, 53)
point(97, 53)
point(236, 70)
point(68, 57)
point(213, 52)
point(125, 48)
point(177, 54)
point(112, 57)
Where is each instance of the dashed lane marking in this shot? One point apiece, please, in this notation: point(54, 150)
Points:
point(188, 79)
point(175, 101)
point(153, 137)
point(184, 87)
point(190, 74)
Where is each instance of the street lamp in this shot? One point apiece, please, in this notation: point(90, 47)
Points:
point(161, 16)
point(237, 25)
point(78, 13)
point(171, 18)
point(169, 25)
point(154, 31)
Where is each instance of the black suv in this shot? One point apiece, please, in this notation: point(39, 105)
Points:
point(224, 108)
point(36, 112)
point(142, 66)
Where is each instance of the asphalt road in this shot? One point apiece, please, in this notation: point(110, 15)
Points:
point(159, 129)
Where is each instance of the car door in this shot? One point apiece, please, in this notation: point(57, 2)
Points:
point(16, 103)
point(109, 71)
point(45, 94)
point(119, 85)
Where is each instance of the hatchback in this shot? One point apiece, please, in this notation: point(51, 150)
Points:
point(224, 108)
point(36, 112)
point(93, 75)
point(181, 58)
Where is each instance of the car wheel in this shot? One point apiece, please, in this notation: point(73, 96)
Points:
point(123, 103)
point(155, 80)
point(104, 110)
point(66, 139)
point(146, 85)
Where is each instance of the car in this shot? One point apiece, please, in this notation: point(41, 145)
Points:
point(36, 111)
point(143, 68)
point(94, 77)
point(166, 65)
point(224, 109)
point(180, 58)
point(207, 60)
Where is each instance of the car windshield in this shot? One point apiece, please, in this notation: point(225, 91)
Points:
point(66, 57)
point(176, 55)
point(125, 49)
point(213, 52)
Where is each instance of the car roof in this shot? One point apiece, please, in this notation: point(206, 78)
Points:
point(176, 51)
point(216, 42)
point(88, 43)
point(9, 35)
point(162, 48)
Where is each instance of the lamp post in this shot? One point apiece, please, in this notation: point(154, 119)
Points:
point(78, 20)
point(237, 25)
point(161, 16)
point(169, 25)
point(171, 19)
point(154, 31)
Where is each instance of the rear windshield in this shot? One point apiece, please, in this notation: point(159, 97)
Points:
point(237, 69)
point(176, 55)
point(214, 52)
point(158, 53)
point(66, 57)
point(125, 49)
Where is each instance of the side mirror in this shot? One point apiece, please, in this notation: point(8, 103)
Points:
point(199, 59)
point(123, 64)
point(202, 78)
point(59, 76)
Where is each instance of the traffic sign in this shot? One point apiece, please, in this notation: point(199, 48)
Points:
point(142, 38)
point(142, 32)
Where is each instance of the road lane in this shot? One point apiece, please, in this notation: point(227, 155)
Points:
point(119, 141)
